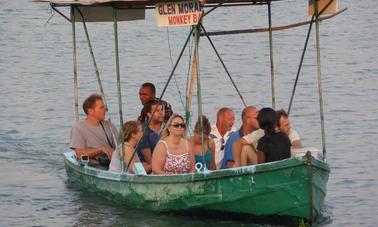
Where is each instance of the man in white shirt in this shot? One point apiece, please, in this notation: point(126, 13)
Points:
point(284, 126)
point(244, 149)
point(221, 131)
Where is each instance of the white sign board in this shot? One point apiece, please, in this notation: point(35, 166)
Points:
point(178, 13)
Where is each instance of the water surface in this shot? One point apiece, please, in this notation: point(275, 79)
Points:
point(37, 102)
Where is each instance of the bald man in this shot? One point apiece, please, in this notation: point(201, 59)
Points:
point(221, 131)
point(249, 124)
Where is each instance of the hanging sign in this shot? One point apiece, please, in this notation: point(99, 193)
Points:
point(332, 6)
point(178, 13)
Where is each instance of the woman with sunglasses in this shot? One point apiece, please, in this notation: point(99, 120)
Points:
point(172, 154)
point(132, 133)
point(208, 144)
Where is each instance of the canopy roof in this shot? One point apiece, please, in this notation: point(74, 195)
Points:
point(121, 3)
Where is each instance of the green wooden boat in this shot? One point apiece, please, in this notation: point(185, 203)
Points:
point(293, 187)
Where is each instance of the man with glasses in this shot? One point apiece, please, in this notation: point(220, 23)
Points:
point(249, 124)
point(221, 131)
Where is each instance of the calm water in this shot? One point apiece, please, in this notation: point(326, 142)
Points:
point(37, 108)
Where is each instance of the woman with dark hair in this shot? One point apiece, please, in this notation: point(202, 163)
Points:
point(208, 144)
point(274, 145)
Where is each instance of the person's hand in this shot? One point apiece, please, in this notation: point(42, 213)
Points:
point(108, 151)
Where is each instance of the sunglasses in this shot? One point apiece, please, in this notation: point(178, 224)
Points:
point(222, 146)
point(178, 126)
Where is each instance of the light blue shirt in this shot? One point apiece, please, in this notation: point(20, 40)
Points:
point(228, 155)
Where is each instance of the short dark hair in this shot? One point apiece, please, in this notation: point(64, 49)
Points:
point(149, 85)
point(147, 108)
point(281, 113)
point(90, 102)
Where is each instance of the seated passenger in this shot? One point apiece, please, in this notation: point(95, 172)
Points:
point(274, 145)
point(172, 154)
point(249, 124)
point(152, 132)
point(93, 136)
point(284, 126)
point(244, 156)
point(132, 133)
point(147, 93)
point(208, 145)
point(221, 131)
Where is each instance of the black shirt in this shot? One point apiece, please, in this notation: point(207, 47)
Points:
point(275, 147)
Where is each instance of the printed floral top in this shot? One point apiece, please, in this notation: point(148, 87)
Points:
point(176, 164)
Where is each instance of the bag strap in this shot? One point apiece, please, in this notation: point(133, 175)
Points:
point(107, 138)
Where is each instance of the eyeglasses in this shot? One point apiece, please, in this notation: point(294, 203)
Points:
point(178, 126)
point(222, 146)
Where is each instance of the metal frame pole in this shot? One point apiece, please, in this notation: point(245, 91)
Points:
point(119, 89)
point(271, 56)
point(199, 94)
point(320, 87)
point(93, 59)
point(74, 61)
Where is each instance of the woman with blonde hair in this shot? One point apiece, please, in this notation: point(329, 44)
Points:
point(203, 153)
point(172, 154)
point(132, 133)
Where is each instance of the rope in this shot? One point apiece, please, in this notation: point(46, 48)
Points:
point(224, 66)
point(163, 92)
point(300, 66)
point(304, 51)
point(93, 59)
point(170, 57)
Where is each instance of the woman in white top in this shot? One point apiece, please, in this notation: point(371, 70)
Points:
point(172, 154)
point(132, 134)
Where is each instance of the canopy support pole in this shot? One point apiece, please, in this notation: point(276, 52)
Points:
point(93, 59)
point(176, 64)
point(165, 88)
point(74, 59)
point(199, 94)
point(224, 66)
point(271, 56)
point(300, 65)
point(119, 90)
point(320, 78)
point(304, 51)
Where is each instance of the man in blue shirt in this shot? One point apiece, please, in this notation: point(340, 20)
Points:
point(152, 133)
point(249, 124)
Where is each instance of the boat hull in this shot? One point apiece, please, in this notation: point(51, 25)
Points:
point(294, 187)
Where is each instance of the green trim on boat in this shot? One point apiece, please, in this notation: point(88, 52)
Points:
point(276, 188)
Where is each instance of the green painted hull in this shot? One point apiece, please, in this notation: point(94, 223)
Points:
point(294, 187)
